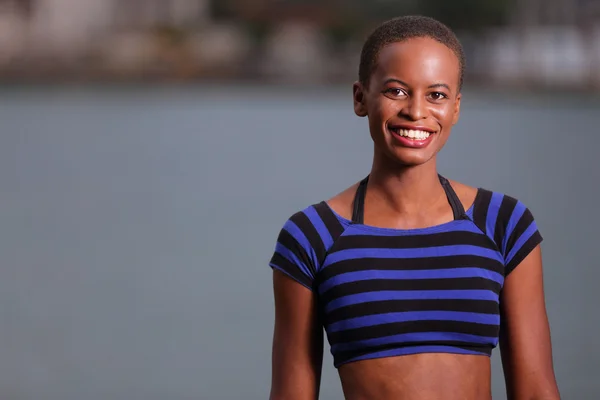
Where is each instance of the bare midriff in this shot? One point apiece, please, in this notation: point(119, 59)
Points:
point(429, 376)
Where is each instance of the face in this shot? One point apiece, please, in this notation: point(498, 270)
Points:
point(412, 100)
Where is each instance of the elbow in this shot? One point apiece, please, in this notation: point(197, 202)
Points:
point(286, 395)
point(532, 388)
point(542, 392)
point(294, 390)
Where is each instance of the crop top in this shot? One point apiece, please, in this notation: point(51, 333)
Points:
point(385, 292)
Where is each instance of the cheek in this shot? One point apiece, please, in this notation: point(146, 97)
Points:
point(382, 108)
point(444, 114)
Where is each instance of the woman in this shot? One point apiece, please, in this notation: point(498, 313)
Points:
point(414, 277)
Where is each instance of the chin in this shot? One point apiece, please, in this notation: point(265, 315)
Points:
point(412, 161)
point(409, 158)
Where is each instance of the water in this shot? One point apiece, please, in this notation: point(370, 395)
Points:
point(137, 224)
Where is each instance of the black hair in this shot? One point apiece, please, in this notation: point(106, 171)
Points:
point(407, 27)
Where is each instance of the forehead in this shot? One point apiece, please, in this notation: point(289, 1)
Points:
point(418, 61)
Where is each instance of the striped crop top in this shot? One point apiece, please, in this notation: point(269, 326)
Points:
point(388, 292)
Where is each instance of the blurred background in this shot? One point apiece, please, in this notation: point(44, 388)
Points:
point(150, 151)
point(523, 42)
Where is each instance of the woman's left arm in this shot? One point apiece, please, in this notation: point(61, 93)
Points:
point(525, 343)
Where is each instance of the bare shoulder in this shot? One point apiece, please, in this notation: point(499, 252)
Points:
point(341, 203)
point(465, 193)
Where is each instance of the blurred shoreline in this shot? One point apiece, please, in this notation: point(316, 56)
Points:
point(299, 88)
point(528, 45)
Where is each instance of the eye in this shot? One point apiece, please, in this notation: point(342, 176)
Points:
point(394, 93)
point(438, 96)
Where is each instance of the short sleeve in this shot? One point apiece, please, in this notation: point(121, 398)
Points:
point(294, 255)
point(521, 237)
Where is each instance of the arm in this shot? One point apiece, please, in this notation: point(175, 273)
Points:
point(297, 342)
point(525, 335)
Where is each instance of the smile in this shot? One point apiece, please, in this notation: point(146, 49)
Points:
point(412, 138)
point(411, 133)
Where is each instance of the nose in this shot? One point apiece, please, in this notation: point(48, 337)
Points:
point(414, 108)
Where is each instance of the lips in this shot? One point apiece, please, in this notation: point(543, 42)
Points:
point(414, 137)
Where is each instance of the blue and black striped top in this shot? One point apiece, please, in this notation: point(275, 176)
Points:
point(388, 292)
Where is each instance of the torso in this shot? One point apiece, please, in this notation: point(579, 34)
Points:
point(422, 376)
point(428, 376)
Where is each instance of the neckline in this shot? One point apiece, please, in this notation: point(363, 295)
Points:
point(358, 206)
point(398, 231)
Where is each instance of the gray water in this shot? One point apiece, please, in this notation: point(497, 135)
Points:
point(136, 226)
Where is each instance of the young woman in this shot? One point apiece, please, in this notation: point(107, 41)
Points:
point(415, 278)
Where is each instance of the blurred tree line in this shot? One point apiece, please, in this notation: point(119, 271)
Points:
point(343, 23)
point(343, 19)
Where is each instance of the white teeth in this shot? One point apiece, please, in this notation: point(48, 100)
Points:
point(413, 134)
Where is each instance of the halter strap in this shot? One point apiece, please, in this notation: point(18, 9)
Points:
point(358, 210)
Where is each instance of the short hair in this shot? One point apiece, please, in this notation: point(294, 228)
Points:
point(403, 28)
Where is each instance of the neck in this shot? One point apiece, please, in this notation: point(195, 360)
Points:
point(405, 189)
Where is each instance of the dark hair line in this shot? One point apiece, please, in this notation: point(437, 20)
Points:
point(403, 28)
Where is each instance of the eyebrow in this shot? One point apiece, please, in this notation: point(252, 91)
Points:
point(433, 86)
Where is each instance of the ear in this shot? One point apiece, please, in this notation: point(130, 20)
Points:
point(456, 109)
point(358, 94)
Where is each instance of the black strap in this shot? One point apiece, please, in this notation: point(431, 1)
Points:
point(457, 208)
point(358, 211)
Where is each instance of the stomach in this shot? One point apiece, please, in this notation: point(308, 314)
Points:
point(428, 376)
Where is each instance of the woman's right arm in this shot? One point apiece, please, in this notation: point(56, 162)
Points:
point(297, 355)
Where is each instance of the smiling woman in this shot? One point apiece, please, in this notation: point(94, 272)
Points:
point(415, 278)
point(427, 104)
